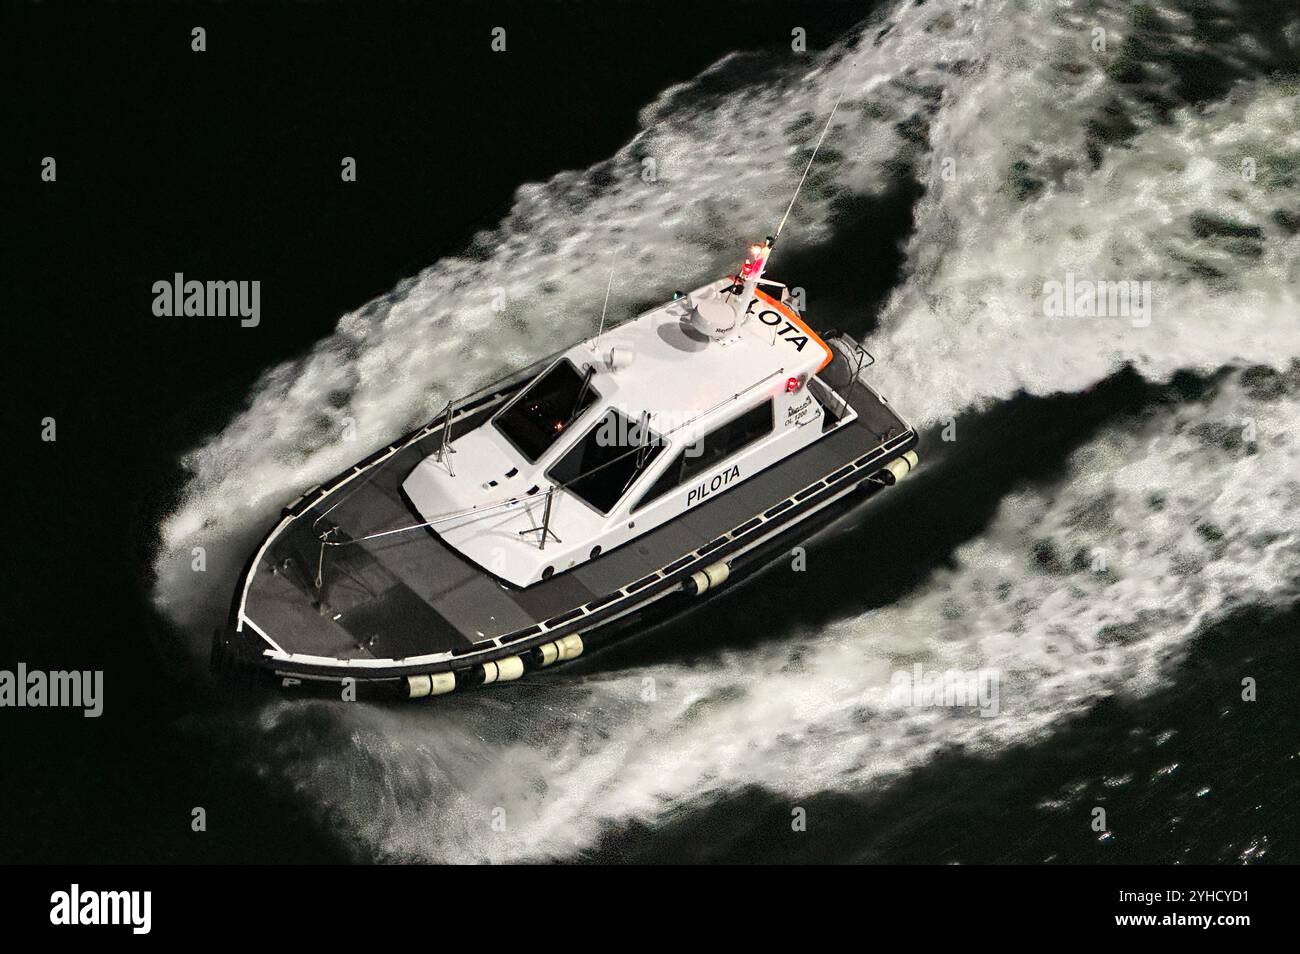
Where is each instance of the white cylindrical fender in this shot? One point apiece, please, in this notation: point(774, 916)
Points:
point(562, 650)
point(895, 470)
point(912, 459)
point(503, 670)
point(430, 684)
point(570, 647)
point(441, 683)
point(710, 577)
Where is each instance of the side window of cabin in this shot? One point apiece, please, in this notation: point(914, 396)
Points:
point(669, 479)
point(719, 444)
point(723, 441)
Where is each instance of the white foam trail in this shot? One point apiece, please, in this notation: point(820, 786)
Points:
point(970, 321)
point(571, 760)
point(721, 177)
point(993, 73)
point(1077, 591)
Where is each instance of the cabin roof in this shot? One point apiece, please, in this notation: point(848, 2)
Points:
point(677, 374)
point(690, 383)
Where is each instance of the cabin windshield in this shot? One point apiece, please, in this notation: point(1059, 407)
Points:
point(536, 419)
point(607, 461)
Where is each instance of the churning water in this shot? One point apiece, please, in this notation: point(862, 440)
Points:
point(1171, 157)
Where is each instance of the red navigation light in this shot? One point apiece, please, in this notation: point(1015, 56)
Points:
point(757, 256)
point(792, 385)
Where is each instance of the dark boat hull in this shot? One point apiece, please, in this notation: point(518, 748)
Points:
point(236, 657)
point(407, 616)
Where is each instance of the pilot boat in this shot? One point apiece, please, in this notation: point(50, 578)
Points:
point(616, 483)
point(609, 485)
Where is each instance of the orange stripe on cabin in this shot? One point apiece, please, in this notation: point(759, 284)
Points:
point(798, 322)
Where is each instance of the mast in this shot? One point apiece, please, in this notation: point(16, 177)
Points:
point(751, 273)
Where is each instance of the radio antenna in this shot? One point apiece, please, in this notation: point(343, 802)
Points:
point(820, 139)
point(613, 260)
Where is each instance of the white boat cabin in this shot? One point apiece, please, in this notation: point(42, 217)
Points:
point(630, 429)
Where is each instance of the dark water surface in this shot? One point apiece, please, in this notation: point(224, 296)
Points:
point(225, 165)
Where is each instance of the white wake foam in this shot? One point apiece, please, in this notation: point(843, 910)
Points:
point(970, 321)
point(1075, 592)
point(1007, 90)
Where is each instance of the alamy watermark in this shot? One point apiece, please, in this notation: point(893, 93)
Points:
point(951, 688)
point(34, 688)
point(178, 297)
point(1085, 298)
point(75, 907)
point(624, 429)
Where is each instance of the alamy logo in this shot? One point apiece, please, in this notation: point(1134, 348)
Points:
point(36, 689)
point(103, 907)
point(626, 429)
point(1084, 298)
point(209, 299)
point(949, 689)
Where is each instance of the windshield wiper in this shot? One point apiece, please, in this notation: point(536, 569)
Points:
point(587, 375)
